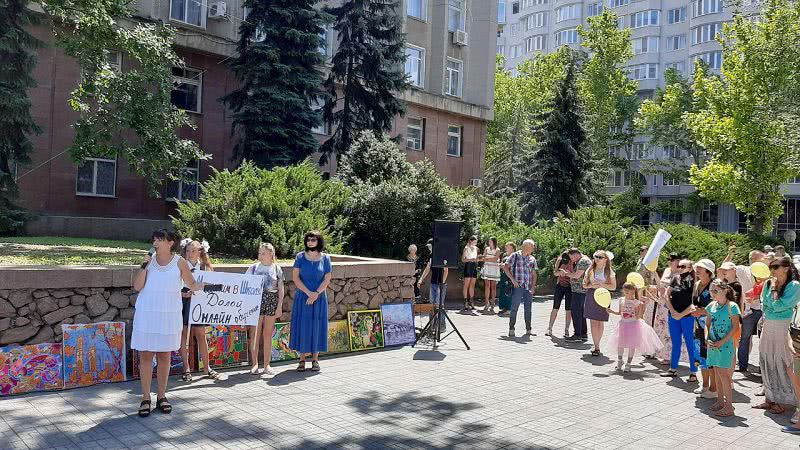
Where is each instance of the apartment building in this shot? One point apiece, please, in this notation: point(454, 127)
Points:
point(666, 34)
point(450, 64)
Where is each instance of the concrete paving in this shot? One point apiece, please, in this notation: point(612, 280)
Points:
point(536, 392)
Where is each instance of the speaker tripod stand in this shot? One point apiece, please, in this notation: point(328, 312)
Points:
point(434, 327)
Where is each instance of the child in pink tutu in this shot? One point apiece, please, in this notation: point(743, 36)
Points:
point(632, 332)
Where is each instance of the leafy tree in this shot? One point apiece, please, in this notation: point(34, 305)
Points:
point(277, 69)
point(16, 123)
point(373, 160)
point(241, 208)
point(608, 96)
point(556, 172)
point(368, 70)
point(518, 101)
point(741, 116)
point(127, 113)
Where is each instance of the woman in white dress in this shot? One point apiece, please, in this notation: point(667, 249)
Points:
point(158, 321)
point(490, 274)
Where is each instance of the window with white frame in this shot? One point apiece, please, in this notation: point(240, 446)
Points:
point(618, 151)
point(645, 18)
point(670, 179)
point(187, 93)
point(454, 140)
point(537, 20)
point(501, 12)
point(676, 15)
point(793, 180)
point(415, 65)
point(645, 45)
point(192, 12)
point(515, 8)
point(455, 15)
point(324, 128)
point(640, 151)
point(501, 50)
point(712, 59)
point(705, 33)
point(672, 152)
point(516, 51)
point(114, 61)
point(617, 3)
point(595, 9)
point(568, 12)
point(676, 42)
point(540, 2)
point(703, 7)
point(415, 134)
point(678, 66)
point(418, 9)
point(514, 29)
point(187, 187)
point(534, 43)
point(648, 71)
point(620, 22)
point(674, 211)
point(624, 178)
point(565, 37)
point(453, 79)
point(97, 177)
point(527, 3)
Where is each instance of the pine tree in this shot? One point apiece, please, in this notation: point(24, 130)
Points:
point(368, 71)
point(277, 68)
point(16, 123)
point(555, 179)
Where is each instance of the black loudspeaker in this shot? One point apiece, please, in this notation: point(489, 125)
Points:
point(446, 235)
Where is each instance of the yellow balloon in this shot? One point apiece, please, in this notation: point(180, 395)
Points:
point(760, 270)
point(602, 297)
point(636, 279)
point(653, 265)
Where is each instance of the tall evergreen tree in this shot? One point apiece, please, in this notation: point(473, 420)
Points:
point(367, 72)
point(556, 175)
point(16, 123)
point(277, 68)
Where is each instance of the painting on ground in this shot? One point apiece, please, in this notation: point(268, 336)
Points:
point(338, 337)
point(30, 368)
point(366, 329)
point(227, 346)
point(175, 362)
point(398, 323)
point(93, 353)
point(280, 343)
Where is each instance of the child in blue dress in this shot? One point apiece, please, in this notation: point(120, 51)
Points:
point(722, 325)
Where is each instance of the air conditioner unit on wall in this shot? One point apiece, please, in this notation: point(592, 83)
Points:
point(217, 10)
point(476, 182)
point(460, 38)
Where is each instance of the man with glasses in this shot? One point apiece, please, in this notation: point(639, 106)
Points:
point(521, 270)
point(752, 312)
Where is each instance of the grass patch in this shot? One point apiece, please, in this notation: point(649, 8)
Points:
point(53, 250)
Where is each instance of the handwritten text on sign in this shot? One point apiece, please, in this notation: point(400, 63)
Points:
point(237, 303)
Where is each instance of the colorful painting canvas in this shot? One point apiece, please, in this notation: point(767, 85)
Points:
point(366, 329)
point(93, 353)
point(30, 368)
point(338, 337)
point(280, 343)
point(175, 362)
point(398, 323)
point(227, 346)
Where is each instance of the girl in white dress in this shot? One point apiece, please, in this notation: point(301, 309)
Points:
point(490, 274)
point(158, 321)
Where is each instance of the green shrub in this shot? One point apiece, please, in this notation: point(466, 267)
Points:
point(372, 159)
point(239, 209)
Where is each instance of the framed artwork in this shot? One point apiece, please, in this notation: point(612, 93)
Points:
point(30, 368)
point(398, 323)
point(366, 329)
point(280, 343)
point(227, 346)
point(93, 353)
point(175, 362)
point(338, 337)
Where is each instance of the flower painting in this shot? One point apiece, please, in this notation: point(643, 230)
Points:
point(366, 329)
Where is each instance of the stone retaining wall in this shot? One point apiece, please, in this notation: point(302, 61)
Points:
point(35, 301)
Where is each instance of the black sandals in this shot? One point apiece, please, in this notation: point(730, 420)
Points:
point(144, 408)
point(164, 406)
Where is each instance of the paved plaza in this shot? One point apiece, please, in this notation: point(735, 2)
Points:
point(504, 393)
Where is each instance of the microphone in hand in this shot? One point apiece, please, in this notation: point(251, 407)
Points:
point(147, 260)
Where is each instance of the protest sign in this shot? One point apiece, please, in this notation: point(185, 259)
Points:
point(234, 300)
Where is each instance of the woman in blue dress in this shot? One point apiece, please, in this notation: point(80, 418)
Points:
point(311, 275)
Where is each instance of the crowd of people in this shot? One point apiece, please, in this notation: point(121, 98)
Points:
point(692, 312)
point(166, 284)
